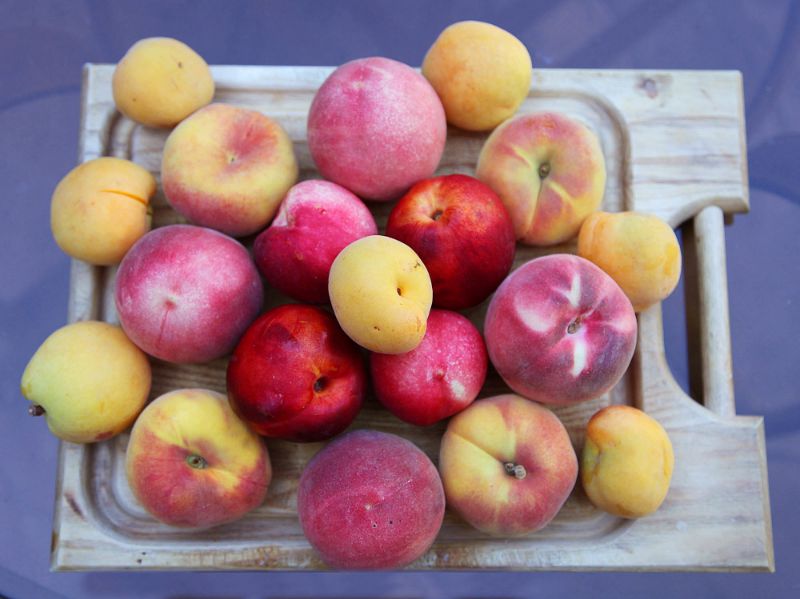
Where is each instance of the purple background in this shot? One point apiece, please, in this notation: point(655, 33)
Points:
point(43, 46)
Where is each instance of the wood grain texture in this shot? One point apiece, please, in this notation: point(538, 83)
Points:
point(674, 144)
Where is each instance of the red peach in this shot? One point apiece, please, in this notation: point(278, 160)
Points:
point(438, 378)
point(295, 375)
point(462, 232)
point(376, 127)
point(370, 500)
point(315, 221)
point(559, 330)
point(186, 293)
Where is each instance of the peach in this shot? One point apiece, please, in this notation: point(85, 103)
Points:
point(549, 171)
point(88, 380)
point(316, 220)
point(228, 168)
point(507, 465)
point(482, 74)
point(462, 232)
point(370, 500)
point(376, 127)
point(559, 330)
point(101, 208)
point(627, 461)
point(192, 463)
point(295, 375)
point(160, 81)
point(186, 293)
point(440, 377)
point(639, 251)
point(381, 294)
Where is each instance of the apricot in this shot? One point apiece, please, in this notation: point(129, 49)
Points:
point(101, 208)
point(370, 500)
point(381, 294)
point(88, 380)
point(627, 461)
point(160, 81)
point(481, 72)
point(639, 251)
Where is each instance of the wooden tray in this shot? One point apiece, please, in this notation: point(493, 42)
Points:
point(674, 144)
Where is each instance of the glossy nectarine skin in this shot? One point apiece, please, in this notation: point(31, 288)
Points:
point(316, 220)
point(370, 500)
point(295, 375)
point(186, 293)
point(559, 330)
point(376, 127)
point(440, 377)
point(462, 232)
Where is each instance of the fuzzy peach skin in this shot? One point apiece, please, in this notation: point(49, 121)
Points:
point(462, 232)
point(438, 378)
point(100, 208)
point(381, 294)
point(481, 72)
point(228, 168)
point(370, 500)
point(193, 464)
point(295, 375)
point(316, 220)
point(376, 127)
point(160, 81)
point(186, 293)
point(507, 465)
point(639, 251)
point(88, 380)
point(627, 462)
point(559, 330)
point(550, 172)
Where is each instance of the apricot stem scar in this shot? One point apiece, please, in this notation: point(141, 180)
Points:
point(320, 384)
point(196, 461)
point(516, 470)
point(36, 410)
point(437, 215)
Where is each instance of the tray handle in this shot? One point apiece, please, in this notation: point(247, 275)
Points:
point(707, 316)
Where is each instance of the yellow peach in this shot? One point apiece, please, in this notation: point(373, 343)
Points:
point(627, 461)
point(160, 81)
point(639, 251)
point(481, 72)
point(192, 463)
point(88, 380)
point(550, 172)
point(101, 208)
point(228, 168)
point(381, 294)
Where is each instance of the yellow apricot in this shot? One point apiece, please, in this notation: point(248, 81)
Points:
point(101, 208)
point(627, 462)
point(481, 72)
point(160, 81)
point(639, 251)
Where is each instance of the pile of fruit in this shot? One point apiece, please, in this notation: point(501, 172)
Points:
point(560, 329)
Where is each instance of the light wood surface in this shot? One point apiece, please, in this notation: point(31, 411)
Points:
point(674, 144)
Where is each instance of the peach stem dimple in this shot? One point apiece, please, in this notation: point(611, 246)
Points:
point(544, 170)
point(516, 470)
point(197, 462)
